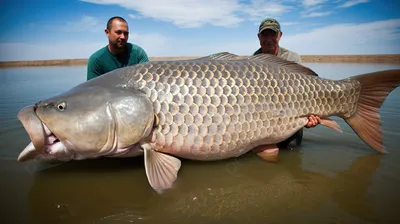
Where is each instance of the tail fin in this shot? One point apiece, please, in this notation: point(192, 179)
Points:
point(366, 122)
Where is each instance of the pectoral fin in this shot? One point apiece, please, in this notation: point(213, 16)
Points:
point(268, 153)
point(331, 124)
point(161, 169)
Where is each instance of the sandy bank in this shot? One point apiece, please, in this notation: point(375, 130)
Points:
point(380, 58)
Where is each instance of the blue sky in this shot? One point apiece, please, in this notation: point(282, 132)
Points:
point(64, 29)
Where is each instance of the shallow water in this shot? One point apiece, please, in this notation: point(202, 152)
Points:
point(332, 178)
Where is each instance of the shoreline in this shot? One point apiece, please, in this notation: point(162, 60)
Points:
point(373, 58)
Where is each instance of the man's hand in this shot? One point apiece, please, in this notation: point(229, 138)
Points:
point(313, 121)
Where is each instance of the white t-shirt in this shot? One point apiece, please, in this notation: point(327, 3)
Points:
point(285, 54)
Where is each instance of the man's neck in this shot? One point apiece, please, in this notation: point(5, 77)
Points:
point(115, 51)
point(273, 53)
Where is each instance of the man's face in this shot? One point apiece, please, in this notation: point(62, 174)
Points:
point(269, 41)
point(118, 34)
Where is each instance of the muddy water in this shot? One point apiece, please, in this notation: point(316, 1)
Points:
point(332, 178)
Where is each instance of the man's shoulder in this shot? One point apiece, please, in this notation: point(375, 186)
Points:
point(134, 47)
point(99, 53)
point(288, 55)
point(286, 51)
point(137, 53)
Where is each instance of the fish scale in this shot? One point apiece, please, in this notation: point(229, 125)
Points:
point(211, 110)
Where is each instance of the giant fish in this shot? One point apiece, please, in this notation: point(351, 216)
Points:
point(211, 108)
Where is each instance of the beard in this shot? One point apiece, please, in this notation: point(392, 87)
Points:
point(119, 45)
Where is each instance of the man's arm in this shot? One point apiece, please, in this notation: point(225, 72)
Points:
point(93, 69)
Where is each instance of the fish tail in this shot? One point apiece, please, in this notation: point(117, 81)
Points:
point(366, 122)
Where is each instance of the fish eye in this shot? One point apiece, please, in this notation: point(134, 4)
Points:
point(61, 106)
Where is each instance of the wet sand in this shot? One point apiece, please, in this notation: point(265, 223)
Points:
point(374, 58)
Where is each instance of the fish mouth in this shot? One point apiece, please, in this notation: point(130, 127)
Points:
point(44, 143)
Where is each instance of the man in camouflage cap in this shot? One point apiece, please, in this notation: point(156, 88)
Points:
point(269, 34)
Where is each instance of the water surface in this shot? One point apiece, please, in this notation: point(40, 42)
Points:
point(332, 178)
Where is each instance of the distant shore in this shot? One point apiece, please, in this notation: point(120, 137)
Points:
point(378, 58)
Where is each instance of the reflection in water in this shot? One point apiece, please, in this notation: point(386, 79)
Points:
point(234, 191)
point(358, 178)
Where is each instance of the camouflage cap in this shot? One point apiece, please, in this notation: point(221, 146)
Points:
point(271, 24)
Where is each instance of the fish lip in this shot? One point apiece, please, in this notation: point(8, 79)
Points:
point(36, 130)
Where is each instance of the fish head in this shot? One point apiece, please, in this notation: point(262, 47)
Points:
point(86, 123)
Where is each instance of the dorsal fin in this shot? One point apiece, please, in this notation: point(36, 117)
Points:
point(219, 56)
point(269, 58)
point(293, 66)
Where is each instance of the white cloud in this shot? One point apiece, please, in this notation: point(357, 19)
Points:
point(352, 3)
point(289, 23)
point(337, 39)
point(194, 13)
point(183, 13)
point(317, 14)
point(225, 13)
point(85, 24)
point(312, 8)
point(307, 3)
point(348, 39)
point(260, 9)
point(132, 16)
point(153, 43)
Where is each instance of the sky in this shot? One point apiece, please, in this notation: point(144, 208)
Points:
point(67, 29)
